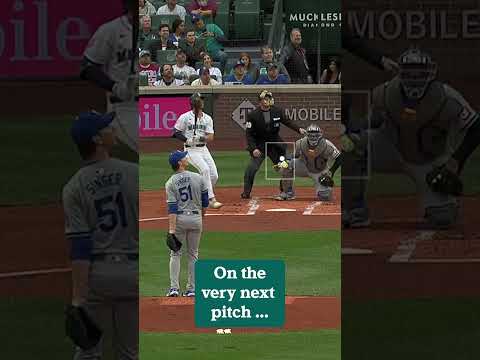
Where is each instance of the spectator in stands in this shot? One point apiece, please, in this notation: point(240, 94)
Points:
point(240, 74)
point(146, 34)
point(193, 47)
point(205, 79)
point(167, 77)
point(332, 75)
point(178, 31)
point(181, 69)
point(162, 43)
point(207, 63)
point(145, 7)
point(293, 56)
point(146, 67)
point(205, 8)
point(267, 59)
point(171, 8)
point(214, 37)
point(250, 67)
point(273, 76)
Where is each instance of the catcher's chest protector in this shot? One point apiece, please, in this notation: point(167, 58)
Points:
point(420, 134)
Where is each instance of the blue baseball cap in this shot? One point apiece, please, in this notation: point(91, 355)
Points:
point(88, 124)
point(176, 156)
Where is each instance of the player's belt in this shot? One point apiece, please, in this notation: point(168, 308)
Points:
point(188, 212)
point(114, 257)
point(198, 145)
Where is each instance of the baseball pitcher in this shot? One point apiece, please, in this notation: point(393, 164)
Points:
point(110, 62)
point(195, 129)
point(187, 200)
point(101, 221)
point(314, 157)
point(424, 129)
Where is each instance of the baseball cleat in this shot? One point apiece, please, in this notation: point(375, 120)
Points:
point(245, 195)
point(189, 293)
point(214, 204)
point(284, 197)
point(359, 218)
point(173, 292)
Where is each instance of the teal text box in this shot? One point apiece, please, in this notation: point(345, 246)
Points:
point(255, 302)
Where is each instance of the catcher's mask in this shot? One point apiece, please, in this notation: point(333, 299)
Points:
point(417, 71)
point(196, 101)
point(314, 135)
point(268, 95)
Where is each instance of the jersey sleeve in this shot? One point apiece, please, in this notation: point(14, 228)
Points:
point(466, 114)
point(100, 47)
point(298, 149)
point(333, 153)
point(180, 124)
point(172, 201)
point(209, 125)
point(75, 219)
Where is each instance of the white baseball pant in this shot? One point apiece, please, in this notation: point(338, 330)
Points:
point(202, 160)
point(126, 122)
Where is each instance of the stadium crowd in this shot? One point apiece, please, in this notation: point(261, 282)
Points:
point(190, 51)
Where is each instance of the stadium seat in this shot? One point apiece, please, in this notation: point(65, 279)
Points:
point(158, 3)
point(166, 56)
point(247, 19)
point(199, 64)
point(143, 80)
point(192, 78)
point(222, 19)
point(157, 20)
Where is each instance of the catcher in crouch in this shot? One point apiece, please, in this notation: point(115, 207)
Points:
point(315, 157)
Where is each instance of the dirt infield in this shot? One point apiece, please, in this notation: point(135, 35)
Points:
point(261, 213)
point(408, 260)
point(161, 314)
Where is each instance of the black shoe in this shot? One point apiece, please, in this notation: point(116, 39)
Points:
point(245, 195)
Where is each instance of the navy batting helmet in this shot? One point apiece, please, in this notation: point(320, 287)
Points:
point(195, 99)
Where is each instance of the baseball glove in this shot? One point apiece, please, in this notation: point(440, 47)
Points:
point(443, 180)
point(80, 327)
point(326, 180)
point(173, 243)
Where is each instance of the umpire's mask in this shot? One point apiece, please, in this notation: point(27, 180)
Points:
point(417, 71)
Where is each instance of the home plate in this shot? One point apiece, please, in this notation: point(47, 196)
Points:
point(281, 210)
point(352, 251)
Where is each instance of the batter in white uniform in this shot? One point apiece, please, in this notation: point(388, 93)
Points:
point(108, 63)
point(195, 129)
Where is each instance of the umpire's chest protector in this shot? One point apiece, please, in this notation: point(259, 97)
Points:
point(420, 134)
point(263, 130)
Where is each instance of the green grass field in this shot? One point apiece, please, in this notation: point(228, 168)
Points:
point(155, 171)
point(439, 329)
point(311, 345)
point(312, 258)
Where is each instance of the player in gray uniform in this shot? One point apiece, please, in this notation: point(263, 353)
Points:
point(314, 157)
point(101, 221)
point(422, 128)
point(109, 61)
point(187, 199)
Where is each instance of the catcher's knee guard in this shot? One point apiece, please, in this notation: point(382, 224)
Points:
point(442, 216)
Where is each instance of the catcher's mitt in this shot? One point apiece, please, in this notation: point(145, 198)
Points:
point(173, 243)
point(326, 180)
point(443, 180)
point(80, 328)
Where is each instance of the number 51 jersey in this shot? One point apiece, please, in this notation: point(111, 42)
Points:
point(101, 201)
point(184, 191)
